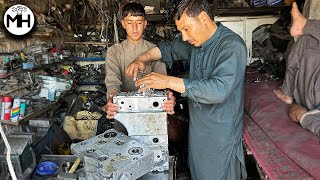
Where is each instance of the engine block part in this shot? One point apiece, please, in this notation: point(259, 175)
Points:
point(150, 129)
point(113, 155)
point(22, 154)
point(144, 123)
point(159, 145)
point(139, 102)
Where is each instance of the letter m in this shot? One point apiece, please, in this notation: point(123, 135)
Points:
point(11, 19)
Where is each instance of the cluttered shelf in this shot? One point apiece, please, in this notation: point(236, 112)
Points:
point(11, 73)
point(32, 80)
point(237, 11)
point(31, 115)
point(21, 70)
point(251, 11)
point(19, 109)
point(82, 61)
point(15, 89)
point(89, 43)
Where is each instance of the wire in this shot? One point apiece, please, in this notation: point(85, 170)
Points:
point(84, 12)
point(11, 170)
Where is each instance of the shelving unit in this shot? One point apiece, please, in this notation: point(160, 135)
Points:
point(30, 116)
point(12, 73)
point(13, 90)
point(20, 70)
point(88, 43)
point(34, 113)
point(85, 61)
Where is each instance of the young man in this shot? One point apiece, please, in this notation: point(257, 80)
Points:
point(121, 55)
point(302, 81)
point(214, 90)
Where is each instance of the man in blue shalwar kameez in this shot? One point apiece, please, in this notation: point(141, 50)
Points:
point(214, 90)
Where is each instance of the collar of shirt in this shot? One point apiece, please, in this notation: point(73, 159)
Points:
point(213, 38)
point(133, 45)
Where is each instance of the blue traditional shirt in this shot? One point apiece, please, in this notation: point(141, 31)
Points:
point(215, 99)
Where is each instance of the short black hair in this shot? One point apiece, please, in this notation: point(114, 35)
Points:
point(193, 8)
point(134, 9)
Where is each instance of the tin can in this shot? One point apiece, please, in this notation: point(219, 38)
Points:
point(15, 110)
point(22, 108)
point(6, 107)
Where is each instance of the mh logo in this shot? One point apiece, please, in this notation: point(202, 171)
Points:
point(18, 19)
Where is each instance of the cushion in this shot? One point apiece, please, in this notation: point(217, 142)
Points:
point(278, 144)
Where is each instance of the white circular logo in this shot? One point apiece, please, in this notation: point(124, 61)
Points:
point(18, 19)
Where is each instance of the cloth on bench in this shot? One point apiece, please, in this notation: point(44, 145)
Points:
point(278, 144)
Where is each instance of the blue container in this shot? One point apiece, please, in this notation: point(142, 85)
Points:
point(28, 65)
point(46, 168)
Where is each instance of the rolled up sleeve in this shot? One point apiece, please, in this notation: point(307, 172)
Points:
point(311, 121)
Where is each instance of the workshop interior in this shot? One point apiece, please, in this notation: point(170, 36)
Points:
point(52, 87)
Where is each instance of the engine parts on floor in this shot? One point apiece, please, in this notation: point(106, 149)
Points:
point(113, 155)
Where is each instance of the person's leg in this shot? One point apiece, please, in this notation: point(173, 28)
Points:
point(298, 21)
point(235, 171)
point(285, 92)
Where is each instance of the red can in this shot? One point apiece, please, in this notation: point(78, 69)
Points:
point(6, 107)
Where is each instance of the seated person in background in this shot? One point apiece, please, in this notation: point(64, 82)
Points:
point(301, 86)
point(119, 56)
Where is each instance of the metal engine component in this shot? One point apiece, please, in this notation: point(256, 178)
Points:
point(144, 124)
point(140, 102)
point(22, 155)
point(145, 121)
point(159, 145)
point(150, 129)
point(113, 155)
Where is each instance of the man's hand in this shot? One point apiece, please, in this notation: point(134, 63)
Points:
point(110, 108)
point(296, 112)
point(169, 104)
point(153, 80)
point(134, 67)
point(138, 64)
